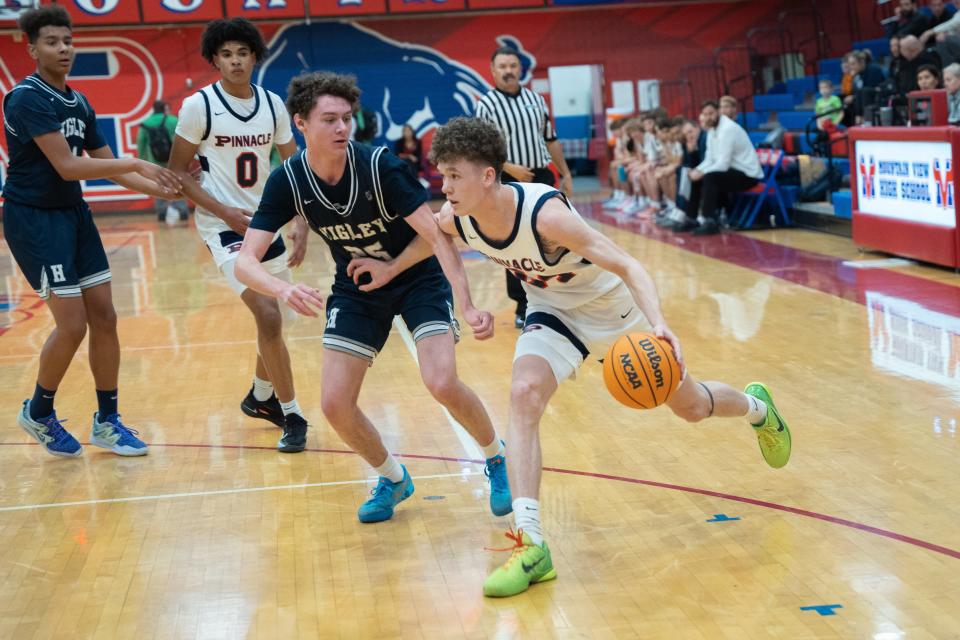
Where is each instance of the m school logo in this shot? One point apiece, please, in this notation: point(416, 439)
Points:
point(943, 177)
point(868, 171)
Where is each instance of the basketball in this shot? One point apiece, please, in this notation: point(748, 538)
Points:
point(641, 371)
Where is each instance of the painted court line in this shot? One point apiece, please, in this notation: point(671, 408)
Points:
point(220, 492)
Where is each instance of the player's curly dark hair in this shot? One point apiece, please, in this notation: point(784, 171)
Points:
point(49, 15)
point(232, 29)
point(303, 91)
point(469, 139)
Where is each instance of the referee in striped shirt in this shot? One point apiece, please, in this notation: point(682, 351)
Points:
point(522, 117)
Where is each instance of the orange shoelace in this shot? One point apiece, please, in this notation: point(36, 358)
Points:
point(517, 539)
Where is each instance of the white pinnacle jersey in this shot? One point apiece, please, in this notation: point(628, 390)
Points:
point(562, 279)
point(234, 148)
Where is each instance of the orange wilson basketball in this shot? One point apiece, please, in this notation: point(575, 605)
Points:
point(641, 371)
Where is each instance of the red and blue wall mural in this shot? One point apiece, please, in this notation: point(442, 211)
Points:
point(420, 70)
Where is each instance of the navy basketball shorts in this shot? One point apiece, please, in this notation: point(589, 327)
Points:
point(359, 323)
point(58, 250)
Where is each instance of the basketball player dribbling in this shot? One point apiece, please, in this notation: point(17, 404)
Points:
point(582, 289)
point(232, 125)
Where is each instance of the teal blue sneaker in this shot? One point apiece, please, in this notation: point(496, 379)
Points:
point(50, 433)
point(114, 435)
point(386, 495)
point(496, 471)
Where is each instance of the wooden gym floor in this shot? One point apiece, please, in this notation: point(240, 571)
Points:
point(659, 529)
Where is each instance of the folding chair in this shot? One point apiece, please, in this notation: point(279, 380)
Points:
point(750, 202)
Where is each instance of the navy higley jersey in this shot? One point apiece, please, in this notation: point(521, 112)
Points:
point(31, 109)
point(360, 216)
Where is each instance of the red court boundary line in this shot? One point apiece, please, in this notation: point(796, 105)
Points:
point(858, 526)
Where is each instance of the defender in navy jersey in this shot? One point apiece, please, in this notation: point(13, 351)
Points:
point(51, 232)
point(232, 126)
point(364, 202)
point(583, 289)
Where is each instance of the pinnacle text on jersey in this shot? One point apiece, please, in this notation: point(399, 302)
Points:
point(524, 264)
point(244, 141)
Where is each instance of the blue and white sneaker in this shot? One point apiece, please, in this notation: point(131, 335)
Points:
point(386, 495)
point(496, 471)
point(50, 433)
point(115, 436)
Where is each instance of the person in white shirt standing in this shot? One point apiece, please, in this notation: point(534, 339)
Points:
point(731, 165)
point(232, 126)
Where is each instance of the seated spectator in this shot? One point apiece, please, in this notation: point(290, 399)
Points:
point(729, 107)
point(684, 217)
point(669, 133)
point(938, 12)
point(865, 78)
point(828, 105)
point(914, 57)
point(945, 37)
point(618, 169)
point(910, 21)
point(894, 67)
point(731, 165)
point(951, 82)
point(928, 78)
point(408, 148)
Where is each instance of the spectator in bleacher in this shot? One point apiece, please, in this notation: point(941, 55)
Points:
point(408, 149)
point(684, 218)
point(828, 103)
point(729, 107)
point(938, 12)
point(669, 132)
point(951, 82)
point(618, 170)
point(945, 37)
point(910, 21)
point(730, 165)
point(914, 57)
point(865, 78)
point(928, 78)
point(895, 59)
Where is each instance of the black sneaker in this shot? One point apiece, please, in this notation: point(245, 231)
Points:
point(268, 409)
point(294, 438)
point(685, 226)
point(708, 228)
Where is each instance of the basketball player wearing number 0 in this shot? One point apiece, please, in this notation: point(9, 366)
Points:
point(232, 125)
point(582, 289)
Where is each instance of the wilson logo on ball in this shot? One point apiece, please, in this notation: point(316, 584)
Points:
point(641, 371)
point(654, 359)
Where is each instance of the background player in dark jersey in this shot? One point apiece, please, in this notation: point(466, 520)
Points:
point(365, 202)
point(51, 233)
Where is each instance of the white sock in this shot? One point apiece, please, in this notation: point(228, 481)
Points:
point(526, 516)
point(291, 407)
point(390, 469)
point(262, 389)
point(495, 448)
point(757, 412)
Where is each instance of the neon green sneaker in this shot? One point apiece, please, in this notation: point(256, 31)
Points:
point(773, 435)
point(529, 563)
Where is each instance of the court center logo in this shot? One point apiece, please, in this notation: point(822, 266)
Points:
point(943, 177)
point(867, 169)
